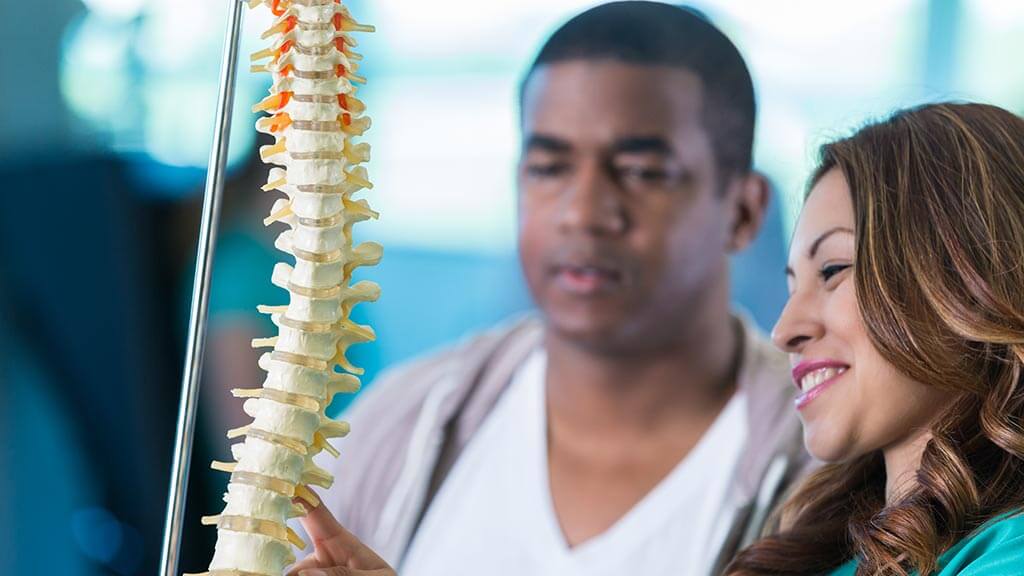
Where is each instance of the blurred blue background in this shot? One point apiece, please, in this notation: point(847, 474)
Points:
point(106, 121)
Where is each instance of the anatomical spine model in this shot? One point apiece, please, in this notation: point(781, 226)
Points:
point(314, 117)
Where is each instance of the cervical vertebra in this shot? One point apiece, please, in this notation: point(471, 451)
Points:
point(314, 115)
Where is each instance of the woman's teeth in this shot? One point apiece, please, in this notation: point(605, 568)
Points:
point(814, 379)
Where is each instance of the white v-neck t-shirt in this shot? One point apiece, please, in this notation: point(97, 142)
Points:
point(494, 515)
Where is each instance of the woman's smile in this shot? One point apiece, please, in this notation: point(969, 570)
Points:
point(814, 377)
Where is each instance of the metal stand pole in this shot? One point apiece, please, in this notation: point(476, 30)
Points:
point(200, 299)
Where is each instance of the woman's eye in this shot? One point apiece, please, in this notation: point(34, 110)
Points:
point(831, 270)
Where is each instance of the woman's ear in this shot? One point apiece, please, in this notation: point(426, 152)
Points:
point(749, 196)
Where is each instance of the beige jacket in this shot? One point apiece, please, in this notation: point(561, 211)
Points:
point(410, 426)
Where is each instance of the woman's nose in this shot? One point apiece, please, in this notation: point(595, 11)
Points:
point(797, 325)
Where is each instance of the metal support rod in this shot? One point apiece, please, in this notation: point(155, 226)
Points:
point(200, 298)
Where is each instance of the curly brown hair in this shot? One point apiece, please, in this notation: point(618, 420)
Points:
point(938, 196)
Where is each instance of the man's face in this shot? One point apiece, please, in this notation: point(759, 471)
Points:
point(622, 226)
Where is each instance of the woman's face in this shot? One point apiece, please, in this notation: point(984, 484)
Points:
point(852, 401)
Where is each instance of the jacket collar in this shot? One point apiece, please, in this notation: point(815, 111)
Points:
point(763, 376)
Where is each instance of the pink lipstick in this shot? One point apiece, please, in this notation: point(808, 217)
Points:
point(813, 377)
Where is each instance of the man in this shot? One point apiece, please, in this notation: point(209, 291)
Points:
point(637, 426)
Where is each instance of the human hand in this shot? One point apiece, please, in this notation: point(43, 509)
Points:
point(336, 552)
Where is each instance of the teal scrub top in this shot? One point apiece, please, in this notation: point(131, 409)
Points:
point(996, 549)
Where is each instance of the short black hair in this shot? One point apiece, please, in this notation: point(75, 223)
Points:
point(653, 33)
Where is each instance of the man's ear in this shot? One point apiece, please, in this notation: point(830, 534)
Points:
point(749, 196)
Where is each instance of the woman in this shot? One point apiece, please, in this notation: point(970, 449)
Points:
point(905, 325)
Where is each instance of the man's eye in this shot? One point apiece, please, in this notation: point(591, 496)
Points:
point(643, 174)
point(546, 169)
point(831, 270)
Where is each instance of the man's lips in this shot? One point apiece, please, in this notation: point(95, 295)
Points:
point(587, 279)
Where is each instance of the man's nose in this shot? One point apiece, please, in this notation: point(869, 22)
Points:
point(593, 204)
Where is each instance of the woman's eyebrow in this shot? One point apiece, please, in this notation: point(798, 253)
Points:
point(817, 243)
